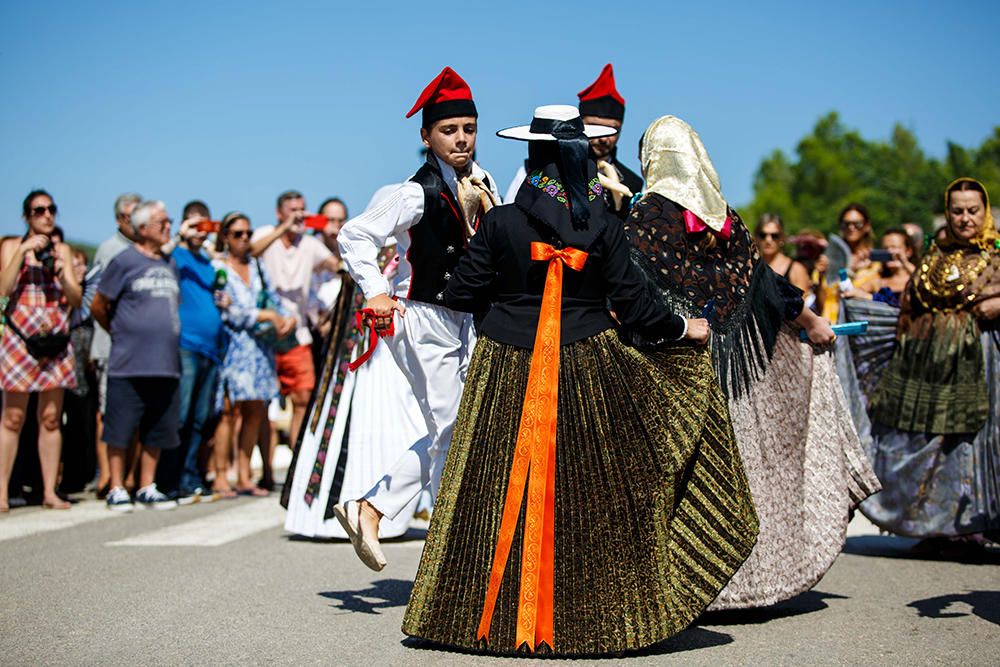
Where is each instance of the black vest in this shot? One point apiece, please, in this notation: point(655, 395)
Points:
point(438, 241)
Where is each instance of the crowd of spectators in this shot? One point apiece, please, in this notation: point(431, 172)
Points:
point(868, 272)
point(146, 376)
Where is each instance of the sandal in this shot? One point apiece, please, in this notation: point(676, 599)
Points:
point(253, 491)
point(225, 494)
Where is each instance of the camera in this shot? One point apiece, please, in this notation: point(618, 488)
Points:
point(879, 255)
point(45, 256)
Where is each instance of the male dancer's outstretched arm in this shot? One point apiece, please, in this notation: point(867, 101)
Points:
point(363, 237)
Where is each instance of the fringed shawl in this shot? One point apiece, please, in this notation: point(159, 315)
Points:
point(749, 301)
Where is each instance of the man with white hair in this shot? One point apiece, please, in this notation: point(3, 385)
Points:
point(100, 346)
point(137, 301)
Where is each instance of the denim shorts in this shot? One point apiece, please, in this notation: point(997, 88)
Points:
point(149, 404)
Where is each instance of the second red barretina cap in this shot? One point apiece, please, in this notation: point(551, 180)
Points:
point(447, 96)
point(602, 98)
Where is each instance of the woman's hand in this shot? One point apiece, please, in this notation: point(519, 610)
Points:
point(817, 328)
point(698, 330)
point(988, 309)
point(820, 332)
point(33, 243)
point(222, 299)
point(900, 261)
point(855, 293)
point(384, 308)
point(861, 259)
point(285, 326)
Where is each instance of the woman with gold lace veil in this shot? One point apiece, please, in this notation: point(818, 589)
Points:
point(637, 509)
point(936, 410)
point(802, 455)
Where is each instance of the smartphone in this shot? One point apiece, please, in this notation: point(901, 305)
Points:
point(881, 256)
point(209, 226)
point(317, 222)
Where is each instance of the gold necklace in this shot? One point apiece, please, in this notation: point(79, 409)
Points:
point(946, 277)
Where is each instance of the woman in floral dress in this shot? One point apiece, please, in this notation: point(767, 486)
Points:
point(248, 379)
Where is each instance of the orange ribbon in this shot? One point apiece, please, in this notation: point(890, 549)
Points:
point(535, 453)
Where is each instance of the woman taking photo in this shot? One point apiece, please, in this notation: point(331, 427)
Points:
point(893, 275)
point(247, 380)
point(35, 352)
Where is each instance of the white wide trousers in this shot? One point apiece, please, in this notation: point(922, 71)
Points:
point(432, 346)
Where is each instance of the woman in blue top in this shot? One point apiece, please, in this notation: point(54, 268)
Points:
point(248, 379)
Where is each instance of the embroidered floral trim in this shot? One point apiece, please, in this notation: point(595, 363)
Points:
point(553, 187)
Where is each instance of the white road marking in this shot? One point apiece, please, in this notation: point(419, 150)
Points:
point(24, 522)
point(213, 530)
point(861, 526)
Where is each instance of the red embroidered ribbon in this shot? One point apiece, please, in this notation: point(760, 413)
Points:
point(361, 316)
point(535, 464)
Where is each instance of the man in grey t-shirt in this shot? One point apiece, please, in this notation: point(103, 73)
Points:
point(137, 300)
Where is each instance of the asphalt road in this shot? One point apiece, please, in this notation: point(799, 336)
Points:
point(222, 584)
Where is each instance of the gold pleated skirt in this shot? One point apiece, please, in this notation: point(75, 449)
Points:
point(653, 509)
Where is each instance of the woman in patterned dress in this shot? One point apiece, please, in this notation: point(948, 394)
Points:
point(248, 379)
point(40, 289)
point(935, 410)
point(805, 463)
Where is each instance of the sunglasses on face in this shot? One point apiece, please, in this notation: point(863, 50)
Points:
point(852, 224)
point(241, 233)
point(40, 210)
point(763, 236)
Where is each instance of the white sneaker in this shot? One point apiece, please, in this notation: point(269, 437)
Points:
point(150, 497)
point(119, 501)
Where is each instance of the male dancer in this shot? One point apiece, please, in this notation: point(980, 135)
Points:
point(431, 216)
point(602, 104)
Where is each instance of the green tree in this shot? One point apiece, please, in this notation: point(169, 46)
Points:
point(834, 166)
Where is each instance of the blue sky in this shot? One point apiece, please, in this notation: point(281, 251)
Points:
point(233, 102)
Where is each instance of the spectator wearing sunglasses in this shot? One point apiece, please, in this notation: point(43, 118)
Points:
point(770, 236)
point(248, 378)
point(856, 230)
point(35, 351)
point(137, 301)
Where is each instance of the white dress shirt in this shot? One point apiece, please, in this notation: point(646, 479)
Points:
point(362, 237)
point(515, 185)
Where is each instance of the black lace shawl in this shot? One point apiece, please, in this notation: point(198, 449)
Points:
point(750, 302)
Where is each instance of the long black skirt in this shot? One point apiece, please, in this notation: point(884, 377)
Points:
point(653, 512)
